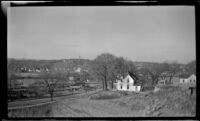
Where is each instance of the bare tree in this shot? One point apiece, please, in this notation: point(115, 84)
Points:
point(102, 67)
point(191, 67)
point(165, 67)
point(51, 82)
point(169, 70)
point(120, 67)
point(173, 69)
point(154, 71)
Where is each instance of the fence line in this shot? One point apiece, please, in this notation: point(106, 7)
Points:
point(29, 106)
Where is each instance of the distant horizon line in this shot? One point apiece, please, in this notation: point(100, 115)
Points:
point(167, 61)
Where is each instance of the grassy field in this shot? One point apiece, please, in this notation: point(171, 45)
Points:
point(168, 101)
point(46, 98)
point(44, 110)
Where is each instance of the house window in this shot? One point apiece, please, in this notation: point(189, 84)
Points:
point(121, 86)
point(128, 80)
point(183, 80)
point(127, 86)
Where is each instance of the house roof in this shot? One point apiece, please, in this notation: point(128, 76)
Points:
point(192, 76)
point(183, 75)
point(133, 76)
point(137, 81)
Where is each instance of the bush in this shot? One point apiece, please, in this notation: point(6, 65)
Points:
point(128, 93)
point(170, 88)
point(148, 88)
point(105, 95)
point(38, 91)
point(124, 93)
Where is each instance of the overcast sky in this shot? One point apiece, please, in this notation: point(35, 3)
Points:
point(139, 33)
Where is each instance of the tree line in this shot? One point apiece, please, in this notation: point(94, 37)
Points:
point(107, 68)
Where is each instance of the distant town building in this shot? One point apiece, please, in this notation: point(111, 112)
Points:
point(71, 78)
point(37, 70)
point(78, 69)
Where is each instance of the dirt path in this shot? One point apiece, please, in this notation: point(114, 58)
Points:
point(153, 105)
point(92, 108)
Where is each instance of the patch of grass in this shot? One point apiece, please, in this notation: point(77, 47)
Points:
point(122, 104)
point(37, 111)
point(137, 106)
point(105, 95)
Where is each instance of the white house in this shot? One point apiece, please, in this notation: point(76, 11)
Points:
point(129, 83)
point(192, 79)
point(186, 79)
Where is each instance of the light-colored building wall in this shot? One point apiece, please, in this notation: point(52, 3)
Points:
point(192, 79)
point(183, 80)
point(128, 79)
point(135, 88)
point(125, 87)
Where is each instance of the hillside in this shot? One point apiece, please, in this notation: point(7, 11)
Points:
point(73, 65)
point(16, 65)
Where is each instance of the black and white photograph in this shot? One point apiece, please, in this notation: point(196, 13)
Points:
point(101, 61)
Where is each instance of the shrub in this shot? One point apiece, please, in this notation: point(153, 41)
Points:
point(105, 95)
point(124, 93)
point(148, 88)
point(128, 93)
point(38, 91)
point(170, 88)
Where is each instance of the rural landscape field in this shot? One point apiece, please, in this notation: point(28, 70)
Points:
point(84, 96)
point(99, 120)
point(101, 61)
